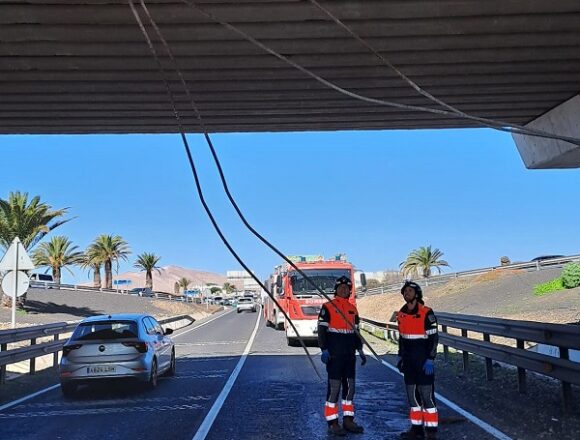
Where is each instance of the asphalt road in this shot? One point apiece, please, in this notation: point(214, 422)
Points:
point(277, 395)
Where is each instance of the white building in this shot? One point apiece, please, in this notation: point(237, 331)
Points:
point(242, 280)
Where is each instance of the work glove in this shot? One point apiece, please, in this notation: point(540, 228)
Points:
point(429, 367)
point(363, 357)
point(399, 363)
point(325, 356)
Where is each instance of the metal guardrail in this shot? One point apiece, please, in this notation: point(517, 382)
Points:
point(564, 336)
point(79, 288)
point(34, 350)
point(439, 279)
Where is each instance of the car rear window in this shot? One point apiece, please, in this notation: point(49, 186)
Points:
point(105, 330)
point(245, 300)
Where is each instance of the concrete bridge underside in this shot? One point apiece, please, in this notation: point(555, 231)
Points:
point(83, 66)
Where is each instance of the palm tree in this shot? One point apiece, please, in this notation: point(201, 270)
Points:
point(29, 220)
point(57, 254)
point(92, 262)
point(148, 263)
point(229, 288)
point(184, 283)
point(176, 288)
point(110, 249)
point(422, 260)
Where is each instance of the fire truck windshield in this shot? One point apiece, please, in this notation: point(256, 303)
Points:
point(323, 278)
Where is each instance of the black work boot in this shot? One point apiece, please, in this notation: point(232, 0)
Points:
point(415, 432)
point(334, 428)
point(350, 425)
point(431, 434)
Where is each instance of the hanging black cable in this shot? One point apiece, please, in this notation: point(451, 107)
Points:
point(198, 184)
point(226, 187)
point(497, 125)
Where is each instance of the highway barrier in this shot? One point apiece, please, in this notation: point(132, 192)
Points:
point(439, 279)
point(81, 288)
point(53, 345)
point(508, 345)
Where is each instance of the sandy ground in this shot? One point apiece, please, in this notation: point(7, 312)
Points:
point(497, 294)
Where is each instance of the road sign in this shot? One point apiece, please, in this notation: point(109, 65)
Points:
point(121, 282)
point(11, 285)
point(9, 260)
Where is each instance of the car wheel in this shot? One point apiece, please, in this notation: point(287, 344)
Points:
point(68, 389)
point(239, 310)
point(172, 367)
point(153, 377)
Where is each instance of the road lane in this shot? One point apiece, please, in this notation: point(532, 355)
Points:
point(279, 396)
point(174, 410)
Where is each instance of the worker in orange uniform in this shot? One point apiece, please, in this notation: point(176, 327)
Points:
point(339, 343)
point(417, 349)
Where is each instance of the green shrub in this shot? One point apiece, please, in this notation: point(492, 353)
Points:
point(549, 287)
point(571, 275)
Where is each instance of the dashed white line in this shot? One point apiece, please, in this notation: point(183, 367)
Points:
point(207, 423)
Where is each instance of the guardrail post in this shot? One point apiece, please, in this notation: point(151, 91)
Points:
point(465, 353)
point(488, 361)
point(55, 354)
point(32, 360)
point(522, 388)
point(537, 265)
point(3, 347)
point(445, 347)
point(566, 386)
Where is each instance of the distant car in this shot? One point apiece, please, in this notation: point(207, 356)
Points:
point(547, 257)
point(246, 304)
point(43, 278)
point(127, 346)
point(142, 291)
point(218, 300)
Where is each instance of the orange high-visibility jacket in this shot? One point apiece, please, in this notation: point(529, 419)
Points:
point(417, 332)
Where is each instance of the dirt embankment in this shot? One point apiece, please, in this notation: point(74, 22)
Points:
point(47, 306)
point(501, 294)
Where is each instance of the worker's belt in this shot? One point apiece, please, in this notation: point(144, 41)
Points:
point(341, 330)
point(408, 336)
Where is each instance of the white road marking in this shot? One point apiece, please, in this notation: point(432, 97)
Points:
point(202, 324)
point(472, 418)
point(30, 396)
point(53, 387)
point(207, 423)
point(94, 411)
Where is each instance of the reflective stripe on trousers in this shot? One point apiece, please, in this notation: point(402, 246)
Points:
point(430, 417)
point(348, 408)
point(416, 415)
point(330, 411)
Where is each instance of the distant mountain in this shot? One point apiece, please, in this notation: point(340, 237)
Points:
point(164, 279)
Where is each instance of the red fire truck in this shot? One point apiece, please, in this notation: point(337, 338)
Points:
point(298, 298)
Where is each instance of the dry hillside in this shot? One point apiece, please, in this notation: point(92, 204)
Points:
point(502, 294)
point(164, 279)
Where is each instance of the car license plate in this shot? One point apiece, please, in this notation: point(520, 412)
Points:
point(101, 369)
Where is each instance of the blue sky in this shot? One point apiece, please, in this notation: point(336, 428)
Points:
point(372, 195)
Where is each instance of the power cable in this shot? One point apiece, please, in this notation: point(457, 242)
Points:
point(227, 190)
point(497, 125)
point(197, 180)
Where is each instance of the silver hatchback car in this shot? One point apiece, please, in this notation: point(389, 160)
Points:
point(116, 346)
